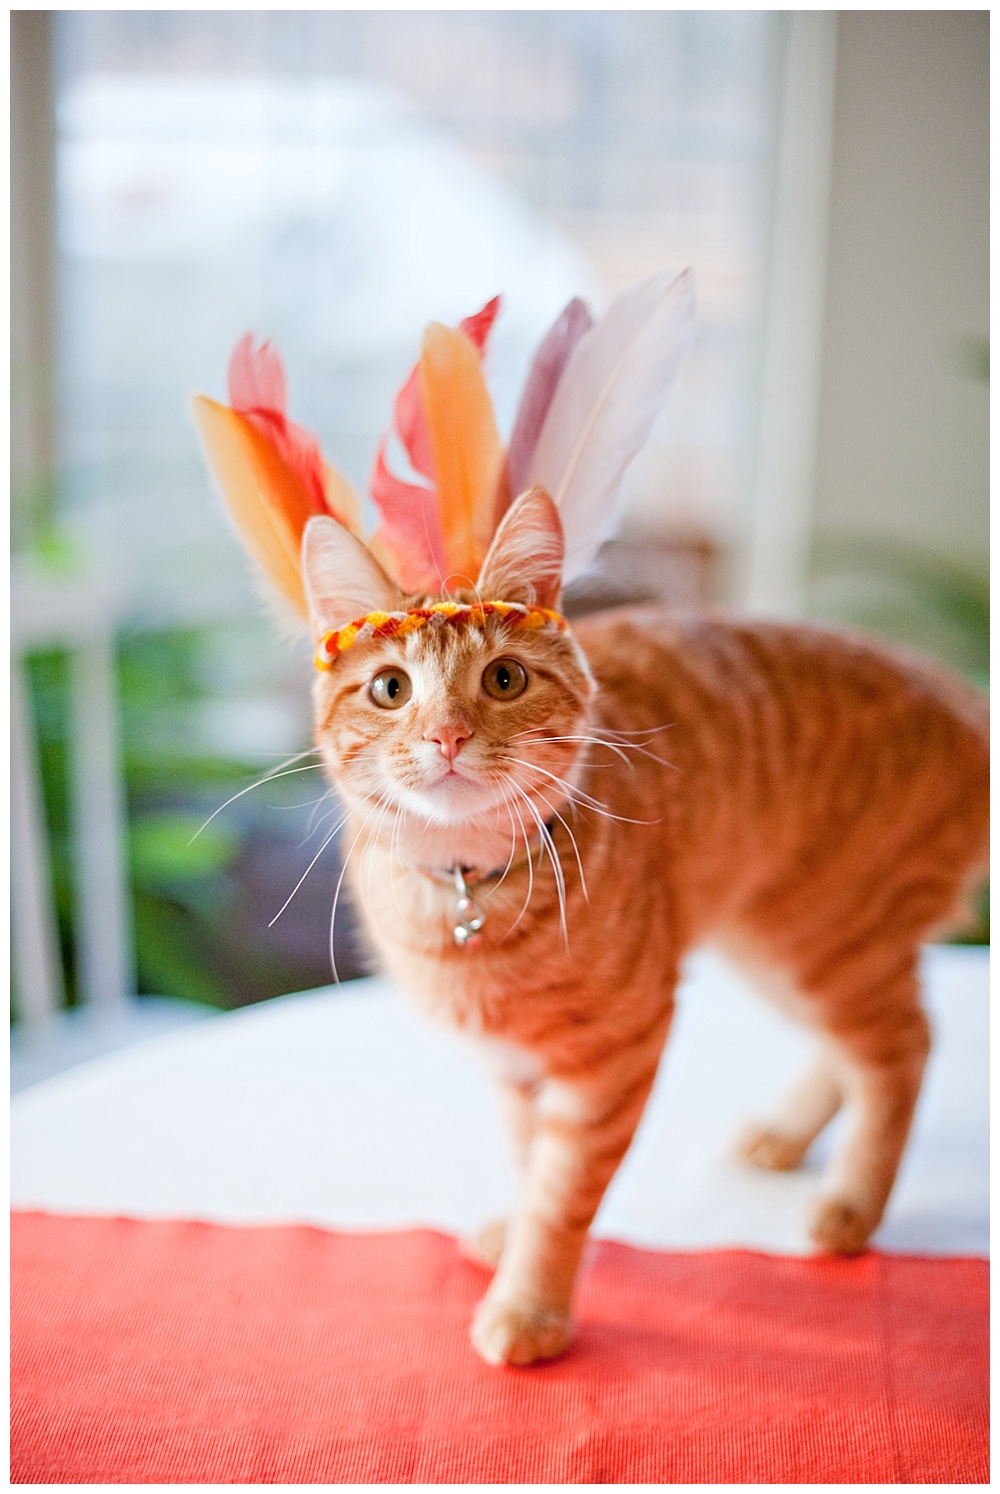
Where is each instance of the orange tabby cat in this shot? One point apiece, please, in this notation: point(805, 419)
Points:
point(817, 807)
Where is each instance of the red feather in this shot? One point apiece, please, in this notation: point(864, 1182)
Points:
point(479, 324)
point(257, 390)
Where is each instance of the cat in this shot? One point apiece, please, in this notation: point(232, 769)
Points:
point(548, 819)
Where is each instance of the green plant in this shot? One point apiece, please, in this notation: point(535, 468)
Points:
point(913, 595)
point(179, 883)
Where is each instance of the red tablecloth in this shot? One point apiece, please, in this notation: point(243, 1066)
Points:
point(181, 1352)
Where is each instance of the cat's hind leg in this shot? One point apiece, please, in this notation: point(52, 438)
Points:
point(880, 1056)
point(780, 1144)
point(858, 987)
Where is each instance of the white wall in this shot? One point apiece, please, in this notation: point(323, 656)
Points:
point(903, 435)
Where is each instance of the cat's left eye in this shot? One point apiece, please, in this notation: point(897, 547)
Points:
point(505, 679)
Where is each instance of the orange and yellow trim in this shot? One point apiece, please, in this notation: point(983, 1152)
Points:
point(457, 614)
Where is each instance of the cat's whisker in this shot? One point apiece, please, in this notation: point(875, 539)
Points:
point(321, 829)
point(643, 752)
point(316, 824)
point(596, 741)
point(340, 883)
point(557, 868)
point(308, 804)
point(370, 847)
point(283, 772)
point(600, 737)
point(636, 747)
point(586, 802)
point(581, 799)
point(371, 839)
point(550, 847)
point(513, 846)
point(333, 833)
point(584, 798)
point(621, 749)
point(645, 731)
point(394, 851)
point(545, 839)
point(572, 840)
point(324, 820)
point(331, 795)
point(531, 872)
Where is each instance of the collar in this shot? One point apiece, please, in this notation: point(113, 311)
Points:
point(469, 917)
point(474, 876)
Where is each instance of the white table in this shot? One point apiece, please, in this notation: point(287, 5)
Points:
point(342, 1108)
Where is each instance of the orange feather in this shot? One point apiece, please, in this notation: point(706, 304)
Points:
point(269, 503)
point(341, 499)
point(468, 455)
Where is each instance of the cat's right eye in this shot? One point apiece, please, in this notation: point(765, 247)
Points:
point(390, 689)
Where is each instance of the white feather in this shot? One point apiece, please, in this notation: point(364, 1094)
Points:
point(615, 384)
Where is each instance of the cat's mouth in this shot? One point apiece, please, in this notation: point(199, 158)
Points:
point(456, 792)
point(452, 772)
point(451, 780)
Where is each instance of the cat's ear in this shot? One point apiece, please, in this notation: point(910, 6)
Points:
point(524, 562)
point(343, 580)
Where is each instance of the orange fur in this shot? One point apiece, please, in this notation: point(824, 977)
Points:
point(812, 800)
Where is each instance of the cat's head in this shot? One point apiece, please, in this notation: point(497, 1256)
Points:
point(450, 722)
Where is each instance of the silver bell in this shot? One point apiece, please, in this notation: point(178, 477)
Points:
point(469, 917)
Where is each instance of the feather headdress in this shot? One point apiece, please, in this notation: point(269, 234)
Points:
point(590, 398)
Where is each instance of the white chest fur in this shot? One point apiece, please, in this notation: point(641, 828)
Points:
point(509, 1063)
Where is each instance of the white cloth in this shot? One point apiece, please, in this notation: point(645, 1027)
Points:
point(342, 1108)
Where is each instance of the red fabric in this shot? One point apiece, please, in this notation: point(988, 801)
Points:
point(179, 1352)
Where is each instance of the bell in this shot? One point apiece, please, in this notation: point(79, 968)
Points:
point(466, 937)
point(469, 917)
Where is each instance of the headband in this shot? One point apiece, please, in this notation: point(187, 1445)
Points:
point(457, 614)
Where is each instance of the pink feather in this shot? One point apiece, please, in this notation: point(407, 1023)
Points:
point(411, 426)
point(540, 386)
point(258, 391)
point(411, 527)
point(257, 377)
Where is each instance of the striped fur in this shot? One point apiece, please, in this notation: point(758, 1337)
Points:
point(810, 800)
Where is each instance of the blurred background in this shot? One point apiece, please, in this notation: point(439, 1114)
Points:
point(336, 179)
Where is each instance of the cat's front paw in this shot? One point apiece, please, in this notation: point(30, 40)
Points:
point(485, 1247)
point(838, 1226)
point(509, 1333)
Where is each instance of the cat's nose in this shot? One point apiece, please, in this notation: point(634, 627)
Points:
point(449, 738)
